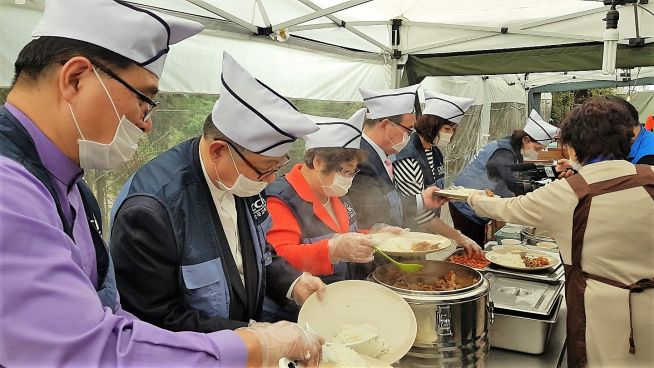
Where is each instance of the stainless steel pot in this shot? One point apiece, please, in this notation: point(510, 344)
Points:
point(452, 325)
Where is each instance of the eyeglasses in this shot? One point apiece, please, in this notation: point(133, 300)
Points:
point(347, 173)
point(142, 97)
point(261, 174)
point(408, 130)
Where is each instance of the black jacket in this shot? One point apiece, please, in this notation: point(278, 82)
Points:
point(371, 190)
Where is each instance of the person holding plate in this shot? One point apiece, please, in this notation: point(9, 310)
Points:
point(601, 220)
point(314, 226)
point(491, 169)
point(421, 164)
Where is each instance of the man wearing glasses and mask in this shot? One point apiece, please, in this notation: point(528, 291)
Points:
point(189, 230)
point(390, 120)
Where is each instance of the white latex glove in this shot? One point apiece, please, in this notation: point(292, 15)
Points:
point(384, 228)
point(565, 168)
point(287, 340)
point(472, 249)
point(254, 323)
point(430, 200)
point(306, 285)
point(351, 247)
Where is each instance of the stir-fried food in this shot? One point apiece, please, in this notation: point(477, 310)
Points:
point(536, 261)
point(449, 282)
point(423, 245)
point(470, 262)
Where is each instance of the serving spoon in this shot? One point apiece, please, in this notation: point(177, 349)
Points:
point(406, 267)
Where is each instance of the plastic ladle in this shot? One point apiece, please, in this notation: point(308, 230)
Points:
point(406, 267)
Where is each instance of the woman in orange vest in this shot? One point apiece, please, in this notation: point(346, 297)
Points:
point(314, 225)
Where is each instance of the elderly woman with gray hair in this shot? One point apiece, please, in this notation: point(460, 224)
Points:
point(601, 219)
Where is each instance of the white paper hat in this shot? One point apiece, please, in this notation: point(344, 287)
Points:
point(390, 102)
point(141, 35)
point(254, 116)
point(539, 130)
point(448, 107)
point(335, 132)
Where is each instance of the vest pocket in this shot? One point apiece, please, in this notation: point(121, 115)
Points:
point(205, 288)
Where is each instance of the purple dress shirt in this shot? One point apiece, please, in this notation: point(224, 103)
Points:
point(50, 314)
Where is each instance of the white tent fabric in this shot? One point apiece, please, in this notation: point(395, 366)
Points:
point(429, 26)
point(293, 71)
point(315, 70)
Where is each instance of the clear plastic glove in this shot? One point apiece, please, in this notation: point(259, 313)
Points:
point(305, 286)
point(430, 200)
point(565, 168)
point(384, 228)
point(351, 247)
point(472, 249)
point(287, 340)
point(254, 323)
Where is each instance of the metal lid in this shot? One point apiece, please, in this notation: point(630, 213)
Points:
point(523, 295)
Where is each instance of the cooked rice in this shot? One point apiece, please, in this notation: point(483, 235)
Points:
point(509, 259)
point(342, 356)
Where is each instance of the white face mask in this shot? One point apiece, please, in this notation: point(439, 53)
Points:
point(94, 155)
point(443, 139)
point(397, 147)
point(339, 186)
point(243, 187)
point(529, 155)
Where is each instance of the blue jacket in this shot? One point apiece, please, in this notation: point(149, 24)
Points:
point(643, 146)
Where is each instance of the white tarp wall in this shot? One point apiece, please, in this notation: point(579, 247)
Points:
point(194, 65)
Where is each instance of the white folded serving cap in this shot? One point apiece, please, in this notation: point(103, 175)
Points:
point(451, 108)
point(141, 35)
point(254, 116)
point(539, 130)
point(390, 102)
point(335, 132)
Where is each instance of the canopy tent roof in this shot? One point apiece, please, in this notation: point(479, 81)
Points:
point(428, 26)
point(336, 46)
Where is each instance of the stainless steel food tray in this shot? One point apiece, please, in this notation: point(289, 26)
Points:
point(551, 275)
point(526, 296)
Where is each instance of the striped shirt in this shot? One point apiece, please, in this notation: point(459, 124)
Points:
point(409, 180)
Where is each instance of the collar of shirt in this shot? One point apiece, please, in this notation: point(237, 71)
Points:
point(301, 186)
point(54, 160)
point(217, 193)
point(380, 152)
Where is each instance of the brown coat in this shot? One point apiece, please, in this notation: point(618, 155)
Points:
point(617, 244)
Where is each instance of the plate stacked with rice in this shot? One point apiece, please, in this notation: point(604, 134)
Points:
point(364, 324)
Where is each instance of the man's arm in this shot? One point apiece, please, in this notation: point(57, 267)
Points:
point(147, 265)
point(49, 309)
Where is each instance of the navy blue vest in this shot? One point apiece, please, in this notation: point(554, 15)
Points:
point(176, 180)
point(313, 229)
point(415, 150)
point(17, 145)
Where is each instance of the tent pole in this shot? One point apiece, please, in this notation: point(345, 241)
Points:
point(395, 75)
